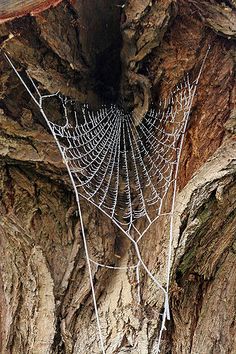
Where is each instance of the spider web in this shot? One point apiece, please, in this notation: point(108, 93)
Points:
point(124, 169)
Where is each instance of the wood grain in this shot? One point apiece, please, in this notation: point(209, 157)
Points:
point(10, 9)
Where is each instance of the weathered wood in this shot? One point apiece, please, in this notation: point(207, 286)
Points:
point(11, 9)
point(45, 297)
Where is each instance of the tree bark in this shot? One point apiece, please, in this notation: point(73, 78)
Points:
point(99, 51)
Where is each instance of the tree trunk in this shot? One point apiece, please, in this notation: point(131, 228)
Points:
point(99, 51)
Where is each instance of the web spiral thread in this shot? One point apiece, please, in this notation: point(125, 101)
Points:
point(125, 170)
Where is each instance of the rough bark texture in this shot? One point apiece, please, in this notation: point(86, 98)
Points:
point(11, 9)
point(45, 296)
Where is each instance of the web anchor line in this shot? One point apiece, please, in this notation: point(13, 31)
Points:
point(123, 169)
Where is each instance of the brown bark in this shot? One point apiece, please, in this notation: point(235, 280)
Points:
point(45, 296)
point(11, 9)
